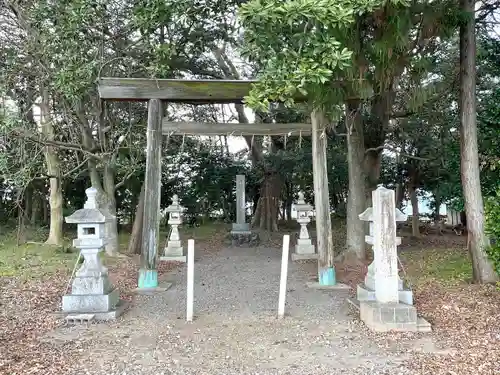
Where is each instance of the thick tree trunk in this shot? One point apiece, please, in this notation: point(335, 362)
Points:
point(483, 271)
point(415, 222)
point(266, 213)
point(356, 199)
point(134, 245)
point(54, 173)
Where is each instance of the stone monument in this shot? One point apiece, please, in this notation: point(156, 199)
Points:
point(241, 235)
point(304, 249)
point(241, 226)
point(383, 301)
point(174, 251)
point(92, 294)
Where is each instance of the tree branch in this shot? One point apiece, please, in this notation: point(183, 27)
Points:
point(394, 149)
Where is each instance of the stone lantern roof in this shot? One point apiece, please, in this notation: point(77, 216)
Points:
point(301, 204)
point(175, 206)
point(89, 213)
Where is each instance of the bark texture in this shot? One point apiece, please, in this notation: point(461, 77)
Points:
point(54, 173)
point(415, 215)
point(266, 213)
point(324, 235)
point(356, 199)
point(134, 246)
point(483, 271)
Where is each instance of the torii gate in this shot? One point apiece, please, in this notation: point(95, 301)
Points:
point(157, 91)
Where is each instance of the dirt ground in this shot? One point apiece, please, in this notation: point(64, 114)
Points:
point(236, 330)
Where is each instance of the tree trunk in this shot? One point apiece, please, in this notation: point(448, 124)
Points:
point(35, 209)
point(134, 245)
point(28, 203)
point(483, 271)
point(54, 173)
point(266, 213)
point(437, 202)
point(400, 194)
point(112, 245)
point(415, 222)
point(356, 198)
point(45, 209)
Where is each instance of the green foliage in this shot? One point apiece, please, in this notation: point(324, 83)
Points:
point(492, 206)
point(301, 46)
point(32, 261)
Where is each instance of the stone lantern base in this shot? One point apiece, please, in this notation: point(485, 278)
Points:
point(94, 297)
point(304, 250)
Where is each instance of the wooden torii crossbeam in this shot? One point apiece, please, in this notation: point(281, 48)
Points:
point(201, 91)
point(158, 91)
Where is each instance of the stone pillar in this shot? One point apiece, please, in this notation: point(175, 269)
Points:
point(384, 304)
point(240, 234)
point(386, 257)
point(92, 294)
point(367, 291)
point(241, 226)
point(174, 251)
point(304, 249)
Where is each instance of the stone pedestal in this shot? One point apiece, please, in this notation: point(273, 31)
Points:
point(92, 294)
point(383, 317)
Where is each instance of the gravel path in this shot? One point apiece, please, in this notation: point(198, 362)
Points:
point(235, 329)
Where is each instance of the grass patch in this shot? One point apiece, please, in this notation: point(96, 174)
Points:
point(32, 260)
point(203, 232)
point(445, 266)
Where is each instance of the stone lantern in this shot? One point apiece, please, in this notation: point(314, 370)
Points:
point(174, 251)
point(304, 249)
point(91, 292)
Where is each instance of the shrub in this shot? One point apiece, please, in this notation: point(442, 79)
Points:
point(493, 229)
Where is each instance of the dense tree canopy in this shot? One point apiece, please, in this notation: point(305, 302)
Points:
point(385, 73)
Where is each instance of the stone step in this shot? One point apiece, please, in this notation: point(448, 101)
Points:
point(423, 325)
point(385, 317)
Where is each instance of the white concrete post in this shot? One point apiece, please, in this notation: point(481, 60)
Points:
point(284, 272)
point(190, 281)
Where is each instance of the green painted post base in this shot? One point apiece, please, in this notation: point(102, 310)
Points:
point(327, 277)
point(148, 279)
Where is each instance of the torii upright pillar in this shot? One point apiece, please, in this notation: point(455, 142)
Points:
point(148, 273)
point(326, 270)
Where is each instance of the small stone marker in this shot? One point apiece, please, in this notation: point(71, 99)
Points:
point(174, 251)
point(304, 249)
point(283, 277)
point(241, 226)
point(92, 294)
point(190, 281)
point(384, 304)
